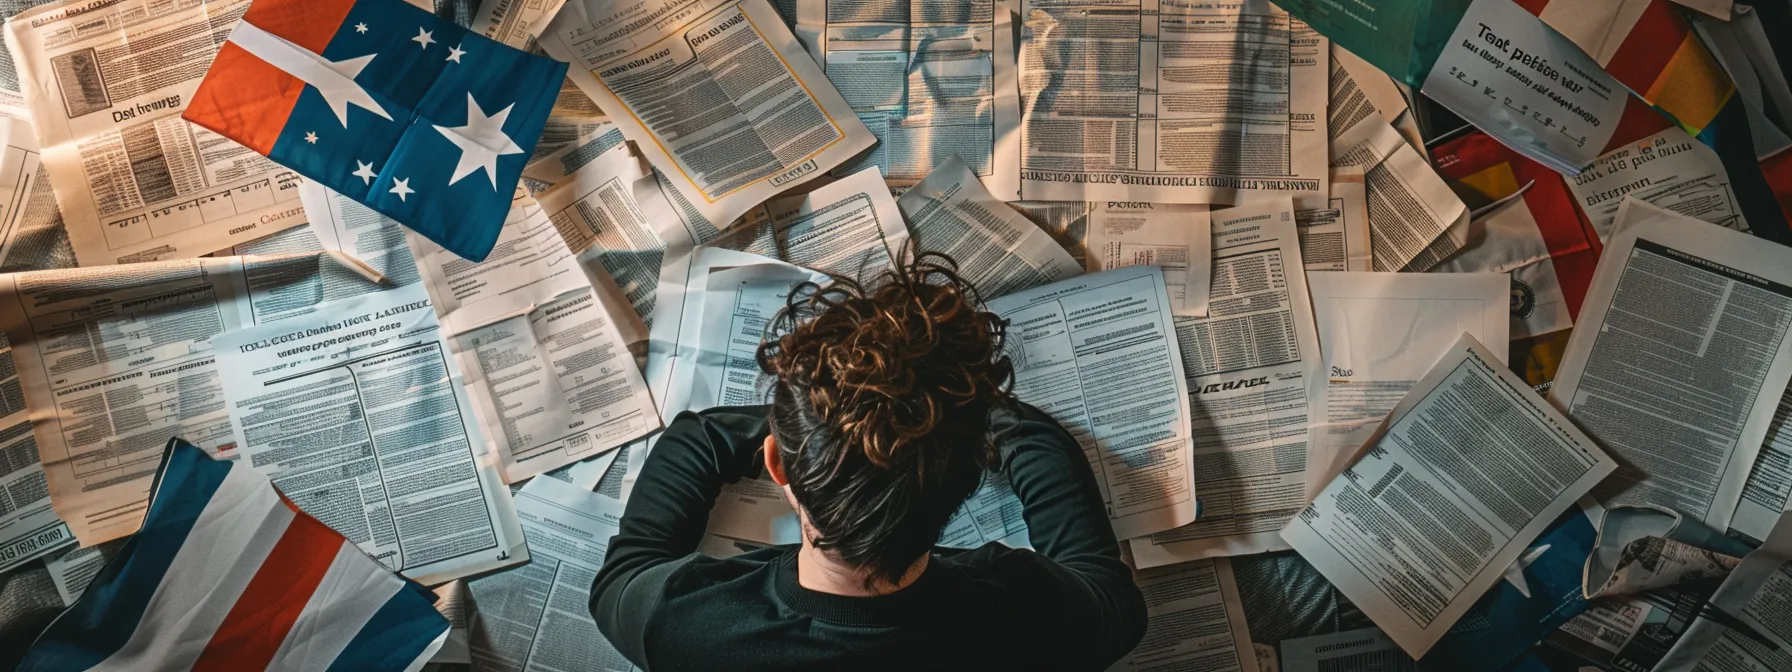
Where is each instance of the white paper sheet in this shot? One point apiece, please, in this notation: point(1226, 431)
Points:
point(996, 248)
point(1336, 237)
point(1196, 621)
point(718, 95)
point(1176, 238)
point(1098, 354)
point(29, 527)
point(930, 78)
point(1471, 468)
point(537, 617)
point(359, 415)
point(130, 176)
point(1679, 359)
point(1246, 366)
point(1229, 105)
point(850, 226)
point(1415, 221)
point(1378, 335)
point(1670, 170)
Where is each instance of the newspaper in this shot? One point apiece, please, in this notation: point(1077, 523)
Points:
point(1336, 237)
point(1098, 354)
point(996, 248)
point(1470, 468)
point(1631, 632)
point(73, 569)
point(597, 215)
point(1176, 238)
point(1745, 626)
point(116, 360)
point(1769, 486)
point(1196, 621)
point(1378, 335)
point(1365, 649)
point(537, 617)
point(32, 236)
point(849, 227)
point(1358, 90)
point(359, 415)
point(29, 527)
point(718, 95)
point(1246, 366)
point(930, 78)
point(573, 147)
point(545, 353)
point(1065, 221)
point(1414, 218)
point(515, 22)
point(1651, 563)
point(1703, 311)
point(1671, 170)
point(346, 225)
point(106, 84)
point(1136, 100)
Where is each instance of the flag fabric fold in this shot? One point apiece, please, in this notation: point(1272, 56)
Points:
point(226, 574)
point(416, 117)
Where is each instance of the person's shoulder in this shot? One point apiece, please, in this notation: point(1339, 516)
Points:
point(701, 573)
point(735, 420)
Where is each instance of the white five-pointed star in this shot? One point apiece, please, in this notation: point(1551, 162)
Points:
point(311, 137)
point(1515, 573)
point(360, 27)
point(454, 54)
point(481, 142)
point(423, 38)
point(365, 172)
point(401, 187)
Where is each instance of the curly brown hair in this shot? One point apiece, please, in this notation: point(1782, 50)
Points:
point(882, 405)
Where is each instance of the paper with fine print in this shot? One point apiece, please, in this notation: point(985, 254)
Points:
point(1176, 238)
point(1470, 467)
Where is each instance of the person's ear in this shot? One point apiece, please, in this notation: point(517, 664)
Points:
point(774, 465)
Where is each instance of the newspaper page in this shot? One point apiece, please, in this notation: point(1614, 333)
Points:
point(1378, 335)
point(29, 527)
point(32, 236)
point(1065, 221)
point(538, 616)
point(1336, 237)
point(1138, 100)
point(73, 569)
point(1746, 626)
point(1098, 354)
point(1700, 310)
point(1196, 621)
point(1176, 238)
point(358, 414)
point(1365, 649)
point(1358, 90)
point(597, 215)
point(1671, 170)
point(717, 94)
point(343, 224)
point(1769, 486)
point(1246, 365)
point(1414, 218)
point(996, 248)
point(1631, 632)
point(106, 85)
point(929, 78)
point(851, 226)
point(1471, 467)
point(515, 22)
point(544, 352)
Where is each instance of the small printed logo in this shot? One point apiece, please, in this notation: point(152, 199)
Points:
point(1524, 301)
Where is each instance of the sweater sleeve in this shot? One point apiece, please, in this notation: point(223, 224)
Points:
point(666, 514)
point(1068, 523)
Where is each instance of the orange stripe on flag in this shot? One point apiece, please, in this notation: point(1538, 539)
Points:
point(307, 23)
point(256, 625)
point(245, 98)
point(1693, 87)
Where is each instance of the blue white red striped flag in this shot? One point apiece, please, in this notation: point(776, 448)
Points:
point(421, 120)
point(226, 574)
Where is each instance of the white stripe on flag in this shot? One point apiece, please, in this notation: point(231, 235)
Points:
point(233, 535)
point(351, 592)
point(428, 652)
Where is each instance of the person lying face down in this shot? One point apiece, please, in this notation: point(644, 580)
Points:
point(890, 404)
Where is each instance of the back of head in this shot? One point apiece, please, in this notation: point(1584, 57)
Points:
point(881, 407)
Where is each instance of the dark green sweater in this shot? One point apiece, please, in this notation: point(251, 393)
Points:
point(1071, 605)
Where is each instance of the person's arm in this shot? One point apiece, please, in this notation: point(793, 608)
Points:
point(666, 515)
point(1068, 523)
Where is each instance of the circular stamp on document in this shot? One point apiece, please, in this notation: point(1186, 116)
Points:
point(1524, 300)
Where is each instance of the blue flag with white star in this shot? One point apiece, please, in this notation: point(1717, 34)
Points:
point(421, 120)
